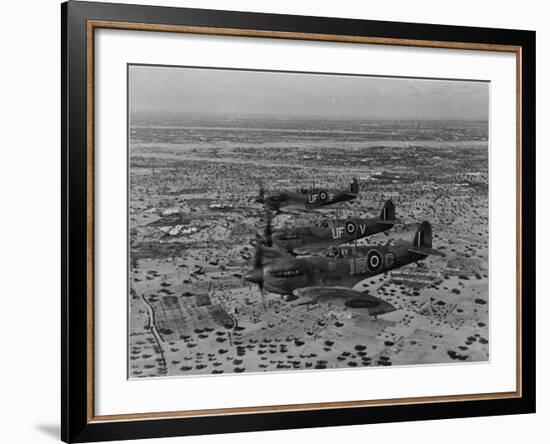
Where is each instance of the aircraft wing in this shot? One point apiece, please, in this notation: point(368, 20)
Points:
point(351, 299)
point(303, 208)
point(315, 249)
point(271, 254)
point(293, 208)
point(327, 209)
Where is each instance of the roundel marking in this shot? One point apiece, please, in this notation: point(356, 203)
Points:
point(351, 228)
point(374, 260)
point(323, 195)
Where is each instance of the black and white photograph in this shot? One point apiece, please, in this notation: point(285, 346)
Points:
point(296, 221)
point(278, 221)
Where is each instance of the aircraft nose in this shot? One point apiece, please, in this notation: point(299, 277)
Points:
point(255, 276)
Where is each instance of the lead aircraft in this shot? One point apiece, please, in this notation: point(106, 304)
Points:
point(331, 277)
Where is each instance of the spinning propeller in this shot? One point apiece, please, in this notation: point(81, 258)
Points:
point(268, 231)
point(257, 274)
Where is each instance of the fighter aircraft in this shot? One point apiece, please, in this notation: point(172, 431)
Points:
point(331, 277)
point(305, 199)
point(315, 239)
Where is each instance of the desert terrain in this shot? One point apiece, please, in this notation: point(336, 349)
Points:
point(193, 219)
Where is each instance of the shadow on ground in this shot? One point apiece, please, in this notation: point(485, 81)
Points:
point(51, 430)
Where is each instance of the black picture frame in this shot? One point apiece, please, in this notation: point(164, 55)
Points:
point(77, 425)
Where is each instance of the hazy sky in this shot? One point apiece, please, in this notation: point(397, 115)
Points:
point(205, 91)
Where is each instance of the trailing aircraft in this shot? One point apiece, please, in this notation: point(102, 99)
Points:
point(306, 199)
point(332, 277)
point(315, 239)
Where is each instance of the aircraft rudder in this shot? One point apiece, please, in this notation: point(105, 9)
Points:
point(354, 186)
point(423, 236)
point(388, 211)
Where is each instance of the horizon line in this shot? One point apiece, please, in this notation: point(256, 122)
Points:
point(252, 116)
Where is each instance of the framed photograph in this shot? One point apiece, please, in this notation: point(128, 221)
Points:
point(276, 221)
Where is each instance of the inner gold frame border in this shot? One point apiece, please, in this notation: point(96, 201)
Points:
point(92, 25)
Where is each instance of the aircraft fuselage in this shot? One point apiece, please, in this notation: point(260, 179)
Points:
point(306, 200)
point(334, 233)
point(350, 267)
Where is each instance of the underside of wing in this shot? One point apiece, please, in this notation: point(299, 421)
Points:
point(350, 298)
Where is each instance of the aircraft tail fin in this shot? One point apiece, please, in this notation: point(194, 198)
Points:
point(423, 236)
point(422, 242)
point(261, 193)
point(354, 186)
point(388, 212)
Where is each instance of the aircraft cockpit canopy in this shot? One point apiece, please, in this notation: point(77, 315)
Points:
point(345, 251)
point(278, 197)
